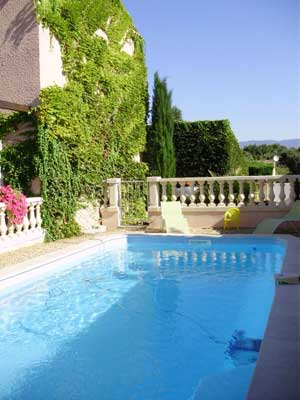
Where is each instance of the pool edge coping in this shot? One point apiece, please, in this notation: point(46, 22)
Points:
point(37, 263)
point(268, 379)
point(277, 371)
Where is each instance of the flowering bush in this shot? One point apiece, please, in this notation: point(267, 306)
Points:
point(16, 206)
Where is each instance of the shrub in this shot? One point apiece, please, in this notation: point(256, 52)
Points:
point(160, 147)
point(291, 159)
point(203, 147)
point(260, 168)
point(18, 164)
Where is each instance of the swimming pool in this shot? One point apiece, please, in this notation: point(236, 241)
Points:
point(159, 317)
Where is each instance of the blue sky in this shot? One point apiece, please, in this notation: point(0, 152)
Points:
point(235, 59)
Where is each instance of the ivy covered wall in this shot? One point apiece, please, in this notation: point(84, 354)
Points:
point(92, 127)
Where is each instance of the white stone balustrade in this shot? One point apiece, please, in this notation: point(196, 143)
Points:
point(205, 199)
point(226, 191)
point(30, 231)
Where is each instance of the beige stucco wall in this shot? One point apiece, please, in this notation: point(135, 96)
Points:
point(19, 52)
point(51, 68)
point(30, 59)
point(213, 217)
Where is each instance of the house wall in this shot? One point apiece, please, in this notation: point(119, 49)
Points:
point(51, 68)
point(19, 52)
point(30, 59)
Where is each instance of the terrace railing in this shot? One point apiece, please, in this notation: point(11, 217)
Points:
point(203, 199)
point(227, 191)
point(28, 232)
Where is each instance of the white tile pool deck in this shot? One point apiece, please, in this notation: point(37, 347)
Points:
point(277, 373)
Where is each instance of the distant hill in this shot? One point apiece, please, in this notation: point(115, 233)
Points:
point(287, 142)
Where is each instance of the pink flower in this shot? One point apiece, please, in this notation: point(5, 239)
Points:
point(16, 205)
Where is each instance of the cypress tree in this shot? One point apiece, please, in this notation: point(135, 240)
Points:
point(160, 148)
point(177, 114)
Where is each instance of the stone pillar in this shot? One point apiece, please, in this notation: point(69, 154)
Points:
point(153, 182)
point(154, 213)
point(113, 192)
point(111, 214)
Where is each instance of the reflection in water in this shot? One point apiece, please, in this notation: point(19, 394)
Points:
point(147, 323)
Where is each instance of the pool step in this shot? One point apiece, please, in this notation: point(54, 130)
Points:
point(231, 384)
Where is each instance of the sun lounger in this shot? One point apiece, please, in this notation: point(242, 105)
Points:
point(172, 219)
point(269, 225)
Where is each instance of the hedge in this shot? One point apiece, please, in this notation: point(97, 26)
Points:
point(205, 147)
point(260, 168)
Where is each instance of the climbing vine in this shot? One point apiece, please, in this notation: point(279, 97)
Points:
point(60, 186)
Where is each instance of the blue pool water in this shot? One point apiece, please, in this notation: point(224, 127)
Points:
point(154, 318)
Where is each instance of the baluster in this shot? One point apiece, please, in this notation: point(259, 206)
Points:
point(11, 229)
point(271, 194)
point(32, 220)
point(201, 195)
point(192, 195)
point(164, 196)
point(261, 195)
point(251, 194)
point(282, 194)
point(183, 196)
point(38, 215)
point(174, 197)
point(3, 226)
point(221, 195)
point(231, 195)
point(26, 222)
point(292, 191)
point(211, 195)
point(241, 195)
point(19, 229)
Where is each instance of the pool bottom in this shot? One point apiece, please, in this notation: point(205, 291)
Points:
point(166, 337)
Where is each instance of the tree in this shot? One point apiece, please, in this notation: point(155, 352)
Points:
point(288, 157)
point(160, 153)
point(291, 159)
point(177, 113)
point(264, 151)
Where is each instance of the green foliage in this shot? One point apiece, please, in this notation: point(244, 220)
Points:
point(10, 122)
point(160, 148)
point(263, 151)
point(60, 186)
point(289, 158)
point(97, 122)
point(101, 113)
point(18, 164)
point(134, 212)
point(260, 168)
point(133, 202)
point(282, 170)
point(205, 147)
point(177, 114)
